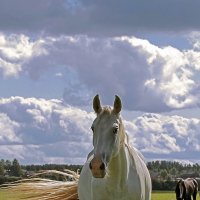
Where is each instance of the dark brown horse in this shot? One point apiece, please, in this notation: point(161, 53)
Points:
point(186, 188)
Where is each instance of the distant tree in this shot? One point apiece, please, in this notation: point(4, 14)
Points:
point(3, 162)
point(163, 174)
point(150, 166)
point(16, 168)
point(173, 172)
point(1, 169)
point(169, 178)
point(164, 164)
point(8, 165)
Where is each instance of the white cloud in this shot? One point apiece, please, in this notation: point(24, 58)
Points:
point(8, 129)
point(24, 153)
point(194, 39)
point(154, 78)
point(43, 131)
point(159, 134)
point(171, 73)
point(15, 51)
point(9, 69)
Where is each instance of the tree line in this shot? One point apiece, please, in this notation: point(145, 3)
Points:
point(167, 170)
point(9, 171)
point(164, 174)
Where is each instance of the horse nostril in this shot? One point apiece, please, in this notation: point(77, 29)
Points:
point(90, 165)
point(102, 167)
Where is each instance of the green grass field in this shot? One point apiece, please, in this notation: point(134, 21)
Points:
point(166, 195)
point(161, 195)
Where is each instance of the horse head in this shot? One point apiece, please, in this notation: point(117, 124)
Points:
point(107, 135)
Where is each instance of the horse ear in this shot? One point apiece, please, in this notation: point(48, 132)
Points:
point(97, 104)
point(117, 105)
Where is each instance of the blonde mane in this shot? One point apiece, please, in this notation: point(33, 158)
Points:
point(44, 189)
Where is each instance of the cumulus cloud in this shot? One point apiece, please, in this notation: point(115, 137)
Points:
point(8, 129)
point(39, 130)
point(194, 38)
point(171, 137)
point(48, 131)
point(98, 17)
point(15, 51)
point(147, 77)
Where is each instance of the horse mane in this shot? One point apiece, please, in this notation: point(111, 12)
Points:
point(106, 110)
point(44, 189)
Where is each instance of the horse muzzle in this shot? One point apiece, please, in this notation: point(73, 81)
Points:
point(97, 167)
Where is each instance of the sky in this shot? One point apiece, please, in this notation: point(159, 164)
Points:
point(56, 55)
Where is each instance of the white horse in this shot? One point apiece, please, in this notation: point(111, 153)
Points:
point(114, 170)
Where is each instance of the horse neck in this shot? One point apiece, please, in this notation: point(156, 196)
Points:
point(118, 166)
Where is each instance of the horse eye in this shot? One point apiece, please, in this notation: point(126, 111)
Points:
point(92, 127)
point(115, 129)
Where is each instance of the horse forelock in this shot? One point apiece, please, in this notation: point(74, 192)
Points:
point(108, 111)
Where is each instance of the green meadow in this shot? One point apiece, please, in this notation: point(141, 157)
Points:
point(163, 195)
point(166, 195)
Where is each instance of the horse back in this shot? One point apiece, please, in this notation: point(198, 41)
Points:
point(191, 185)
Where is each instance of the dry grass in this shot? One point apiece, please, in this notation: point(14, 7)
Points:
point(44, 189)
